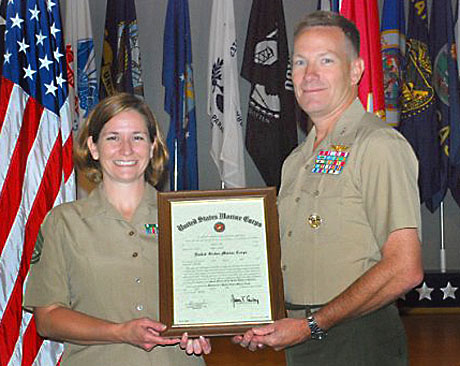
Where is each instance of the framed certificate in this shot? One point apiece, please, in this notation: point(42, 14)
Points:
point(219, 260)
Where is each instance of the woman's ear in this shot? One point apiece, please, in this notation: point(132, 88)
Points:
point(153, 148)
point(92, 148)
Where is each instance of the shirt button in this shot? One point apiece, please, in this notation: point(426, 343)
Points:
point(131, 233)
point(297, 199)
point(138, 280)
point(284, 267)
point(135, 254)
point(140, 307)
point(316, 193)
point(290, 233)
point(314, 221)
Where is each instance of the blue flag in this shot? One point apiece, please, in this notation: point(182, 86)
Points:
point(335, 6)
point(180, 97)
point(418, 122)
point(445, 84)
point(121, 58)
point(393, 49)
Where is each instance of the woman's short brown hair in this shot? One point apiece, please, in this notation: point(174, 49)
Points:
point(101, 114)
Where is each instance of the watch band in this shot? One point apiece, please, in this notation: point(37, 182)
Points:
point(317, 332)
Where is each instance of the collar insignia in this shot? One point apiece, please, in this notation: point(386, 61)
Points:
point(340, 148)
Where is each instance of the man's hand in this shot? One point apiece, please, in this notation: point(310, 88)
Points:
point(279, 335)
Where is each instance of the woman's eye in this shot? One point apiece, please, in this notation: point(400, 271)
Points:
point(139, 138)
point(111, 138)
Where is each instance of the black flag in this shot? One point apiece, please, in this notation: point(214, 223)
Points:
point(418, 115)
point(271, 131)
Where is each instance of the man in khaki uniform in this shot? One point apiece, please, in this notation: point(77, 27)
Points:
point(349, 215)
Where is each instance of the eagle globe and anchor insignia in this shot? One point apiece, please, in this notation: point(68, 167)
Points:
point(219, 227)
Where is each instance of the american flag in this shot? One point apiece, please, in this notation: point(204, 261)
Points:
point(36, 170)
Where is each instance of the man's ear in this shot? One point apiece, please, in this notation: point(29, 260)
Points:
point(92, 148)
point(357, 70)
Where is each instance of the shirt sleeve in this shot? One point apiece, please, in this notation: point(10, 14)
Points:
point(47, 281)
point(388, 175)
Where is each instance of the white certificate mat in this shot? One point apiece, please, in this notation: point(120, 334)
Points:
point(220, 262)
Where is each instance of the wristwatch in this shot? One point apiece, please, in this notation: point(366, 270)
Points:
point(316, 332)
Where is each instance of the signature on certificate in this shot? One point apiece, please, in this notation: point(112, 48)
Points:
point(243, 299)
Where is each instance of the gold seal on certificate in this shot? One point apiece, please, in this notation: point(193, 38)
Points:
point(219, 259)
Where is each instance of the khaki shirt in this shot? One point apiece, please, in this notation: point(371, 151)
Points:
point(96, 262)
point(355, 210)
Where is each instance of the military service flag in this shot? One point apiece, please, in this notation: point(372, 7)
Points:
point(445, 84)
point(271, 131)
point(393, 40)
point(364, 13)
point(418, 121)
point(81, 62)
point(224, 110)
point(121, 57)
point(180, 97)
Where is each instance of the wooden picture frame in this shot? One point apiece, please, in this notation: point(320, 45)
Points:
point(219, 261)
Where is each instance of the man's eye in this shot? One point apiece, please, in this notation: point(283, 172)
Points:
point(327, 60)
point(299, 62)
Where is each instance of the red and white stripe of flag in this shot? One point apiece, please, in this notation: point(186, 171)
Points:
point(36, 173)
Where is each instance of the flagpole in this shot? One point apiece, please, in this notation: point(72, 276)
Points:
point(175, 164)
point(443, 244)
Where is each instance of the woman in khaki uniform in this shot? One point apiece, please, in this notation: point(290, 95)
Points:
point(94, 281)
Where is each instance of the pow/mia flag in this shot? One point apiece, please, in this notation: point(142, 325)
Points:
point(271, 131)
point(418, 122)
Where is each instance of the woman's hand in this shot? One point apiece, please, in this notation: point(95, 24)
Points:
point(63, 324)
point(195, 346)
point(145, 333)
